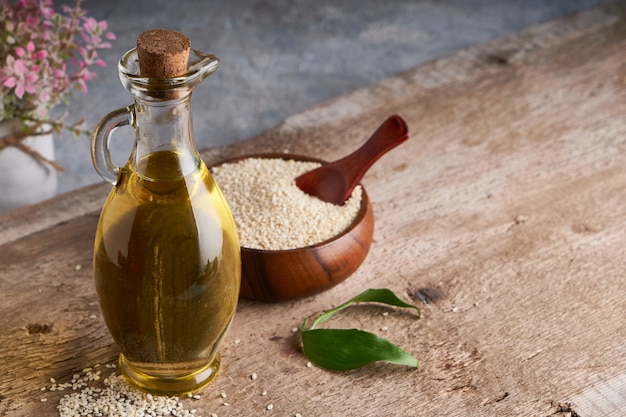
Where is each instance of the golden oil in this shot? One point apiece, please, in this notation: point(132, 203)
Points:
point(167, 272)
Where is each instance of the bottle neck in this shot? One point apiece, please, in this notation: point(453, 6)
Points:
point(164, 142)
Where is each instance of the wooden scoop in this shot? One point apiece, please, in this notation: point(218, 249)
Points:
point(334, 182)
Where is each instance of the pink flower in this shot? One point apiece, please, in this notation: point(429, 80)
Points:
point(91, 25)
point(45, 54)
point(20, 77)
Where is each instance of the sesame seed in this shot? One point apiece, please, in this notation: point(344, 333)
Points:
point(237, 341)
point(386, 313)
point(43, 400)
point(294, 330)
point(309, 365)
point(196, 397)
point(223, 394)
point(270, 406)
point(213, 415)
point(253, 376)
point(384, 328)
point(298, 415)
point(271, 212)
point(264, 393)
point(116, 398)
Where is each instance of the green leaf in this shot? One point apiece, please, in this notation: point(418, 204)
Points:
point(346, 349)
point(383, 295)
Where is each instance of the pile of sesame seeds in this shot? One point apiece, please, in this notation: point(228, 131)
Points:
point(271, 212)
point(119, 399)
point(116, 398)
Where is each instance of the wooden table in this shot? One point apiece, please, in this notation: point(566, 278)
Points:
point(508, 201)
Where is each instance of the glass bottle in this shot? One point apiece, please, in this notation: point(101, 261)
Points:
point(166, 254)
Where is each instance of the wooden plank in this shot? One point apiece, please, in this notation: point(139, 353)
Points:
point(507, 201)
point(24, 221)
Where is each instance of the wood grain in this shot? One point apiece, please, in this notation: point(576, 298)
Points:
point(505, 210)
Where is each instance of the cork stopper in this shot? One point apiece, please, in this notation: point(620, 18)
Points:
point(162, 53)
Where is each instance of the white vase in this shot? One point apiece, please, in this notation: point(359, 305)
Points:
point(25, 180)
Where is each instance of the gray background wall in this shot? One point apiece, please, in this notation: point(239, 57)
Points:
point(281, 57)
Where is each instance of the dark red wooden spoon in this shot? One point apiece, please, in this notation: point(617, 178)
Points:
point(334, 182)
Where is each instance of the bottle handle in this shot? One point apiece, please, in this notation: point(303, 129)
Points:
point(100, 137)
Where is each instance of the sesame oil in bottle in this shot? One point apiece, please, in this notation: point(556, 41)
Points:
point(166, 254)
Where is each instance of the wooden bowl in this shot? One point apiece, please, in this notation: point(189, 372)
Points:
point(281, 275)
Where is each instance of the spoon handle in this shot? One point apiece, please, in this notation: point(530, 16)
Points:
point(391, 133)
